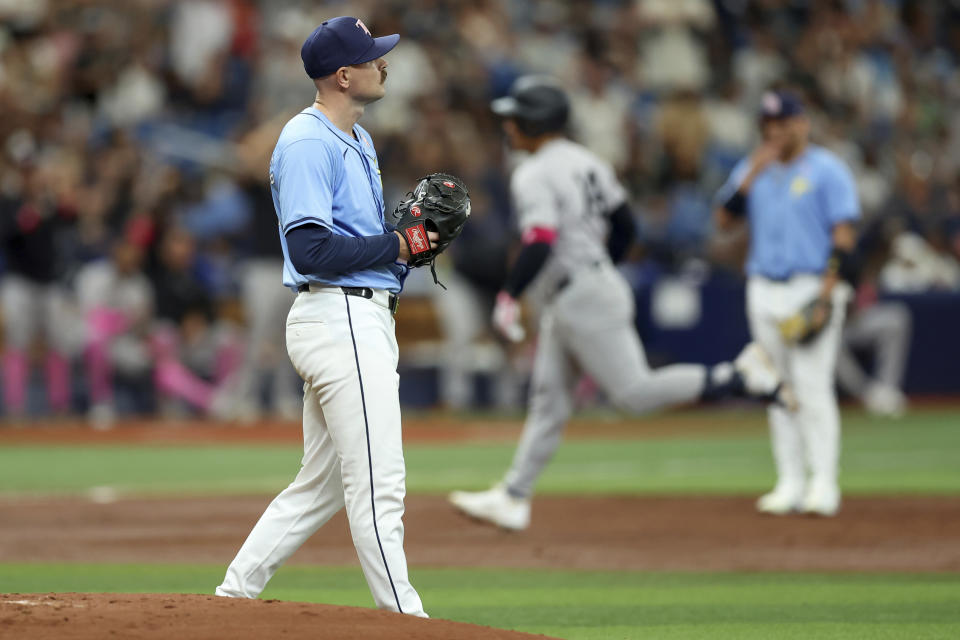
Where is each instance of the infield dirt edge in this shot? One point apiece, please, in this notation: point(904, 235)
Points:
point(155, 616)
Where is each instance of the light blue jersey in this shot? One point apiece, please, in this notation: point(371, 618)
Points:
point(321, 175)
point(792, 210)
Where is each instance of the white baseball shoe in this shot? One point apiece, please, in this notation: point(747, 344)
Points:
point(495, 506)
point(760, 377)
point(884, 400)
point(780, 502)
point(821, 500)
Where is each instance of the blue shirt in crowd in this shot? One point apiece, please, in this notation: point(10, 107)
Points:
point(323, 176)
point(792, 209)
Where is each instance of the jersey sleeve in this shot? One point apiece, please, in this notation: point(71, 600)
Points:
point(611, 191)
point(533, 201)
point(304, 177)
point(839, 194)
point(734, 180)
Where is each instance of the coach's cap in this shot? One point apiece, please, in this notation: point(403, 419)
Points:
point(776, 105)
point(341, 42)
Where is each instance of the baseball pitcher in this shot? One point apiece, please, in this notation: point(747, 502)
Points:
point(575, 224)
point(347, 264)
point(800, 202)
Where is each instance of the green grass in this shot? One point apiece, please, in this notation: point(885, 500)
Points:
point(587, 605)
point(920, 454)
point(729, 455)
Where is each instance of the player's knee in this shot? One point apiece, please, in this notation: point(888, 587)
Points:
point(367, 530)
point(363, 535)
point(558, 407)
point(633, 395)
point(632, 402)
point(815, 394)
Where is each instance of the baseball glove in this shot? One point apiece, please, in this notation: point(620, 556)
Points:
point(805, 325)
point(441, 203)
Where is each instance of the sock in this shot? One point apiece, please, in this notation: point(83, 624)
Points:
point(513, 493)
point(722, 380)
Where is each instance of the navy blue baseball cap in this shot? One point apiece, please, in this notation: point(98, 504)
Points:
point(341, 42)
point(777, 105)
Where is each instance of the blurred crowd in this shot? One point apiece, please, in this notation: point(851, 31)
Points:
point(138, 242)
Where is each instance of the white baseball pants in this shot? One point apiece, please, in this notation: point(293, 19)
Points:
point(345, 349)
point(590, 323)
point(805, 442)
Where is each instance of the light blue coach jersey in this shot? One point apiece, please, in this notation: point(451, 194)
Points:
point(792, 210)
point(321, 175)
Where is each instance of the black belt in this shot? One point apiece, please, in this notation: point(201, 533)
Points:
point(787, 277)
point(393, 300)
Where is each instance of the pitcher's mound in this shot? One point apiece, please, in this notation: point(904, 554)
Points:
point(89, 616)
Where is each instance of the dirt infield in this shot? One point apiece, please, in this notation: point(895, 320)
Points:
point(630, 533)
point(95, 616)
point(428, 428)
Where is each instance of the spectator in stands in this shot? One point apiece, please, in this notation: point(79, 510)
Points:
point(129, 109)
point(116, 300)
point(265, 305)
point(195, 355)
point(33, 297)
point(479, 261)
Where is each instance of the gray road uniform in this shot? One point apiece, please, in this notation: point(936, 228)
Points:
point(574, 216)
point(588, 319)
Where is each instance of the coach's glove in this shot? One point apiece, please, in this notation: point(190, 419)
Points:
point(439, 203)
point(506, 318)
point(805, 325)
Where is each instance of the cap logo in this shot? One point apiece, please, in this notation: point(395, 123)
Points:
point(360, 25)
point(447, 183)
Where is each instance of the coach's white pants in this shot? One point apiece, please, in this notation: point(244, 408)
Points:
point(590, 323)
point(345, 349)
point(807, 440)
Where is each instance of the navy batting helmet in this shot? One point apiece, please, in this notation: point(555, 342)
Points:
point(536, 103)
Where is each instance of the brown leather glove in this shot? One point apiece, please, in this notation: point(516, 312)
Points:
point(805, 325)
